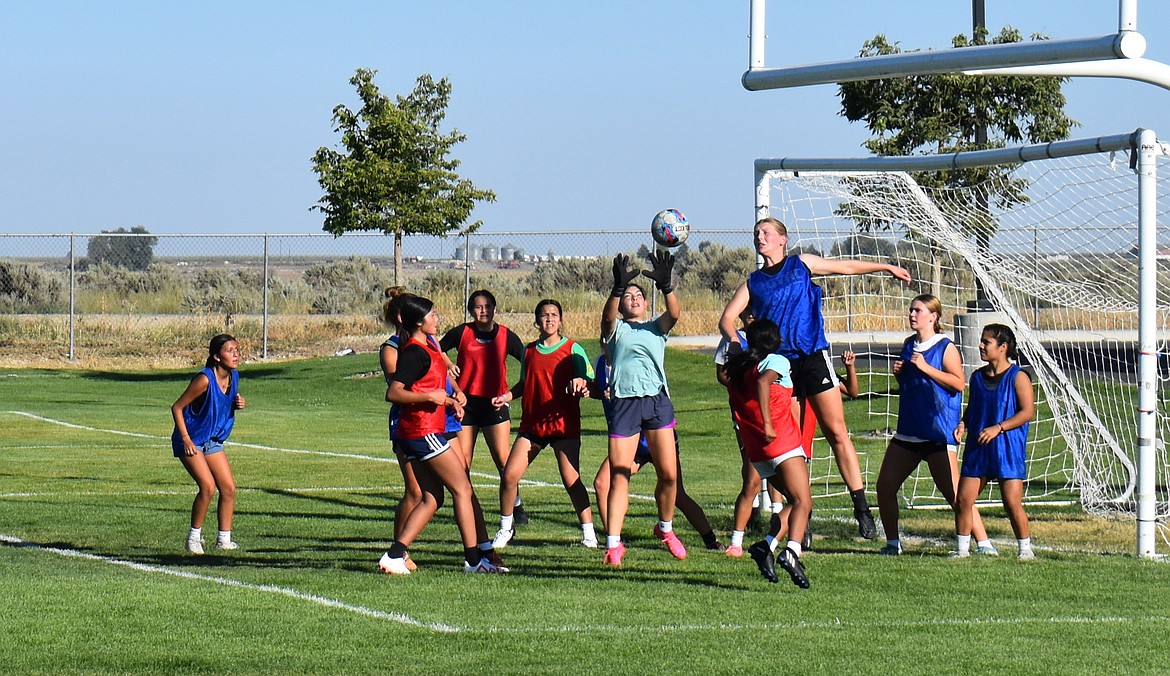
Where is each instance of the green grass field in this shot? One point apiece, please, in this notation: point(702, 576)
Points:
point(93, 578)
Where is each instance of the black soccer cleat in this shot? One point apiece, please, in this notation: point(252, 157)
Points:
point(790, 562)
point(765, 559)
point(521, 516)
point(866, 528)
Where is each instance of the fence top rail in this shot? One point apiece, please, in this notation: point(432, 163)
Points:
point(320, 235)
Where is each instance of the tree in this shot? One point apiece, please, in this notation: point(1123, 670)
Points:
point(944, 114)
point(131, 252)
point(393, 173)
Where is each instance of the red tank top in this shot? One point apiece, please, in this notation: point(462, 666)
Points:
point(746, 405)
point(483, 371)
point(418, 420)
point(549, 410)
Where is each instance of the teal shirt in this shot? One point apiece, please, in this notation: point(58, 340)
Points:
point(638, 352)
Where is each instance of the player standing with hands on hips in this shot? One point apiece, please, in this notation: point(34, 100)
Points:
point(204, 416)
point(639, 398)
point(783, 291)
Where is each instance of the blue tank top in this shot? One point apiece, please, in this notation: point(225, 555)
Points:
point(927, 411)
point(214, 418)
point(1006, 456)
point(790, 299)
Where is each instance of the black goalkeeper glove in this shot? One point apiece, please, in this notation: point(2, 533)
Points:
point(622, 275)
point(663, 265)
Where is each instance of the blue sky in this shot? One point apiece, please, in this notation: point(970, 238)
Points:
point(202, 117)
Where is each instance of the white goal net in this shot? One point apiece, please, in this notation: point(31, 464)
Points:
point(1057, 261)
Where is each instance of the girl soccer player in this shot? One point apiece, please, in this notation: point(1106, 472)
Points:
point(204, 416)
point(931, 381)
point(641, 405)
point(388, 356)
point(760, 387)
point(1000, 406)
point(419, 387)
point(783, 291)
point(482, 373)
point(554, 375)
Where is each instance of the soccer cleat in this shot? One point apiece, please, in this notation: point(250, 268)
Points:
point(890, 550)
point(734, 551)
point(866, 528)
point(762, 554)
point(1027, 555)
point(391, 566)
point(716, 546)
point(226, 545)
point(677, 550)
point(520, 515)
point(987, 550)
point(790, 562)
point(194, 546)
point(589, 542)
point(960, 554)
point(503, 537)
point(410, 564)
point(484, 567)
point(806, 541)
point(613, 555)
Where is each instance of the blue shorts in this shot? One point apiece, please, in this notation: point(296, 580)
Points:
point(422, 449)
point(207, 449)
point(634, 415)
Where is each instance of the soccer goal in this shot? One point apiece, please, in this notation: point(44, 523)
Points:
point(1060, 242)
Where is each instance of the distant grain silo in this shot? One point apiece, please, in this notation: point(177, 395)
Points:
point(489, 253)
point(508, 252)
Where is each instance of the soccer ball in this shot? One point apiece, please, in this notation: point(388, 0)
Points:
point(669, 228)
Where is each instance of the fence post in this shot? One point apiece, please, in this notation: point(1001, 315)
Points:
point(72, 293)
point(466, 270)
point(264, 350)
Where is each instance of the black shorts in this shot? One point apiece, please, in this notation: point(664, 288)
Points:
point(479, 412)
point(922, 449)
point(813, 374)
point(539, 442)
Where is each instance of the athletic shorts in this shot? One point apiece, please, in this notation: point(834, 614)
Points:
point(642, 456)
point(538, 442)
point(479, 412)
point(208, 448)
point(813, 374)
point(768, 467)
point(923, 449)
point(422, 449)
point(633, 415)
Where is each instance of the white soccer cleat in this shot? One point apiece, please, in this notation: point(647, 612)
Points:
point(484, 567)
point(1027, 555)
point(194, 546)
point(393, 566)
point(503, 537)
point(590, 543)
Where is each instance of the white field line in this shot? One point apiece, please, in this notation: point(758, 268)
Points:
point(440, 627)
point(270, 589)
point(311, 489)
point(331, 454)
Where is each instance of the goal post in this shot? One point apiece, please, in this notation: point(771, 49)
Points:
point(1072, 265)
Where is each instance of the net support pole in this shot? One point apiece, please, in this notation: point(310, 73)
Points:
point(264, 350)
point(1148, 150)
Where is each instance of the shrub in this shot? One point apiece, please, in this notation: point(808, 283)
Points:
point(25, 288)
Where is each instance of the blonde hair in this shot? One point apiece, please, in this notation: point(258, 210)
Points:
point(934, 305)
point(775, 222)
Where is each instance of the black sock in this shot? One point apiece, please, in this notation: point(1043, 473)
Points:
point(709, 539)
point(471, 555)
point(859, 503)
point(397, 550)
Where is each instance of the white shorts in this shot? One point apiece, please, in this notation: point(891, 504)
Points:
point(768, 467)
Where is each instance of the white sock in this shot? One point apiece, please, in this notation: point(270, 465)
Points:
point(587, 531)
point(612, 541)
point(773, 543)
point(983, 543)
point(506, 522)
point(964, 544)
point(225, 536)
point(795, 547)
point(517, 503)
point(737, 538)
point(895, 543)
point(195, 534)
point(665, 526)
point(1025, 544)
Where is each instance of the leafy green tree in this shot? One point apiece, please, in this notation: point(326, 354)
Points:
point(393, 172)
point(927, 114)
point(132, 253)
